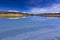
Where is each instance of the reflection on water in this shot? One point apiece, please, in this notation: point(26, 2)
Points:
point(30, 28)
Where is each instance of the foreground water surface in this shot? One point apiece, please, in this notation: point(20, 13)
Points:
point(30, 28)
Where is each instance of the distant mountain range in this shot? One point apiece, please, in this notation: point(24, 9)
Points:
point(20, 14)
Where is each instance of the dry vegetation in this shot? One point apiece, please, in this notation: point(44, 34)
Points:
point(12, 14)
point(19, 14)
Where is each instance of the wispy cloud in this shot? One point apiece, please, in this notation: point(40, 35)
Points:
point(34, 1)
point(12, 11)
point(55, 8)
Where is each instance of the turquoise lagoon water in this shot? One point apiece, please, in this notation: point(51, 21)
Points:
point(30, 28)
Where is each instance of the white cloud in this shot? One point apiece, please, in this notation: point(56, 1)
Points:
point(13, 11)
point(23, 12)
point(55, 8)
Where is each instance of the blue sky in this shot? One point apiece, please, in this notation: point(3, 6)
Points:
point(27, 5)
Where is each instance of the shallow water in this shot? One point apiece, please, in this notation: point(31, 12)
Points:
point(30, 28)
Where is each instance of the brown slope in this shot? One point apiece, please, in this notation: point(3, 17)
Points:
point(19, 14)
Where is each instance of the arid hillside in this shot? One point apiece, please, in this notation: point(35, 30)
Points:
point(12, 14)
point(19, 14)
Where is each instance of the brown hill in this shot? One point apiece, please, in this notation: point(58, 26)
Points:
point(19, 14)
point(12, 14)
